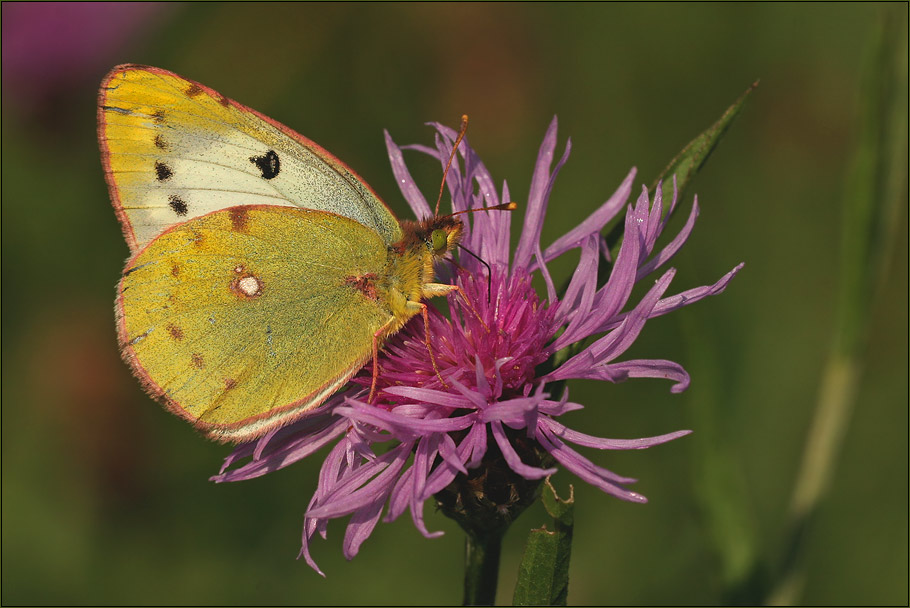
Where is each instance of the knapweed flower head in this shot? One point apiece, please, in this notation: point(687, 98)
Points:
point(482, 441)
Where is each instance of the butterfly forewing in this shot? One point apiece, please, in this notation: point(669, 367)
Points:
point(175, 150)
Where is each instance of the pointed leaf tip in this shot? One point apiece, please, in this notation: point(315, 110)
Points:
point(692, 158)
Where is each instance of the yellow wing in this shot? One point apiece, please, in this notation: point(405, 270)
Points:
point(174, 150)
point(243, 319)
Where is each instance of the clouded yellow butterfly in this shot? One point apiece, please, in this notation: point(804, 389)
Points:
point(264, 272)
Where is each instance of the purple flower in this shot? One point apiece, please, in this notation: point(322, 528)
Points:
point(495, 423)
point(50, 47)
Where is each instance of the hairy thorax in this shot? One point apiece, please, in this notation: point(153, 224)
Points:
point(409, 276)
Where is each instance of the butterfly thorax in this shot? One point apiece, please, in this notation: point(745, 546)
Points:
point(410, 274)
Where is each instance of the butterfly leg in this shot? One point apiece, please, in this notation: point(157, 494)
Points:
point(426, 327)
point(375, 366)
point(472, 309)
point(381, 332)
point(441, 289)
point(431, 290)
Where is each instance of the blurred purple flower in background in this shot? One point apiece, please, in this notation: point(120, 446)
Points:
point(489, 437)
point(49, 47)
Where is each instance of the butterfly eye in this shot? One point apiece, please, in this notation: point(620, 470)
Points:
point(439, 240)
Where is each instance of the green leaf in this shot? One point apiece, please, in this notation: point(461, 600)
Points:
point(685, 166)
point(543, 576)
point(561, 510)
point(693, 157)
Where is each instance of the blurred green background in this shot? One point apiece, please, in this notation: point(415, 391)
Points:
point(105, 498)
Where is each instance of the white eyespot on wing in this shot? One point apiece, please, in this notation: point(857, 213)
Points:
point(249, 286)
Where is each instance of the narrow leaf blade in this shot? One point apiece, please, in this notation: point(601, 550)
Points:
point(543, 576)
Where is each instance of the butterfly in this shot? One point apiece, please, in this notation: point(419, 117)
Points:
point(264, 273)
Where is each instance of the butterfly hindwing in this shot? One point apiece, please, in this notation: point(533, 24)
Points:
point(244, 317)
point(174, 150)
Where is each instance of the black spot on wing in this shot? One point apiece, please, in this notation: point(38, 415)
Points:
point(177, 204)
point(160, 143)
point(268, 164)
point(162, 171)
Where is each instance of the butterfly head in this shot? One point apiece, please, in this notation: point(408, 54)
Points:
point(442, 234)
point(436, 235)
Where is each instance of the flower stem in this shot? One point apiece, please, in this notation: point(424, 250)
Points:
point(481, 567)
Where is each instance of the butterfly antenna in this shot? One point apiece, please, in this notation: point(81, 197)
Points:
point(461, 132)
